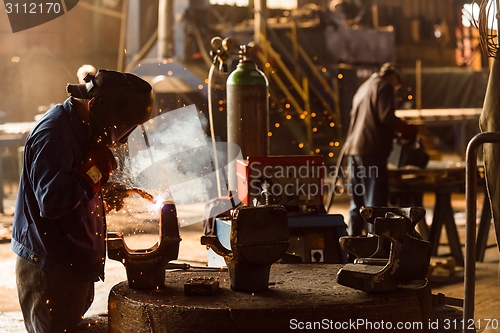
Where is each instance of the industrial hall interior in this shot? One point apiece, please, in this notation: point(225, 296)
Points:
point(244, 166)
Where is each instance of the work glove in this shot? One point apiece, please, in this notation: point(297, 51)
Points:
point(98, 164)
point(113, 195)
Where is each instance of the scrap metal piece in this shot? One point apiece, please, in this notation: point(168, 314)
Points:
point(399, 257)
point(259, 238)
point(442, 299)
point(201, 286)
point(146, 267)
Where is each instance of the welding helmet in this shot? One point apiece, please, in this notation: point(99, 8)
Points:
point(122, 101)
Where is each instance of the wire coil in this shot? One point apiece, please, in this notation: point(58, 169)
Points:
point(488, 36)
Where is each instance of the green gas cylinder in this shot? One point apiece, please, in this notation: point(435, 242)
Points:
point(248, 108)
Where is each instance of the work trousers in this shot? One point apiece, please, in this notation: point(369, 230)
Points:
point(51, 302)
point(368, 186)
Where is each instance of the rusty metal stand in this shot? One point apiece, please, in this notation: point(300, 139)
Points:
point(443, 215)
point(470, 222)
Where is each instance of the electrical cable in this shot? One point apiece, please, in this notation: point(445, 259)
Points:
point(212, 129)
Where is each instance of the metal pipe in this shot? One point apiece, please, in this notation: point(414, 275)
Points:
point(470, 224)
point(418, 84)
point(260, 24)
point(374, 9)
point(123, 36)
point(142, 52)
point(165, 29)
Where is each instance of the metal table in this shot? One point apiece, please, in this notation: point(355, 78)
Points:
point(298, 295)
point(442, 179)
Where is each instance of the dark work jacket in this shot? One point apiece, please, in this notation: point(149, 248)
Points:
point(373, 121)
point(59, 223)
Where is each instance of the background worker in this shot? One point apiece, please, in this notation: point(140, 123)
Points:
point(59, 226)
point(84, 70)
point(372, 129)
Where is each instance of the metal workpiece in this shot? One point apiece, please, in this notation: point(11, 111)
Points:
point(142, 193)
point(146, 267)
point(259, 237)
point(398, 255)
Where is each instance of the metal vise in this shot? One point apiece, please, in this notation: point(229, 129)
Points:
point(259, 237)
point(393, 255)
point(146, 267)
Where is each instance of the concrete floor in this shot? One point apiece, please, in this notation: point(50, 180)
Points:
point(487, 301)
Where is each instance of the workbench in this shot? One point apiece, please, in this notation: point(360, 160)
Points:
point(298, 295)
point(407, 186)
point(463, 122)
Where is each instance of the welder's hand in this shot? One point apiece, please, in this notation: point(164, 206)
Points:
point(113, 194)
point(99, 163)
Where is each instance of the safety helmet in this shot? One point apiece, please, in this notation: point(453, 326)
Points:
point(122, 101)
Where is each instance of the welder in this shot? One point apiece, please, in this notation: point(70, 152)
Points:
point(372, 129)
point(59, 225)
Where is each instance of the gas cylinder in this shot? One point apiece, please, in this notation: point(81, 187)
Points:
point(248, 107)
